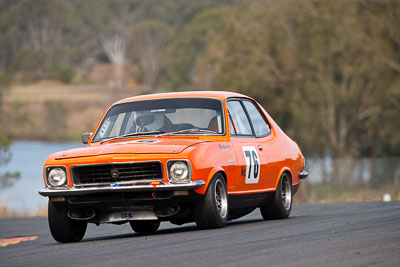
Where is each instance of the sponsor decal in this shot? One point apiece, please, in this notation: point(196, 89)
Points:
point(126, 215)
point(224, 146)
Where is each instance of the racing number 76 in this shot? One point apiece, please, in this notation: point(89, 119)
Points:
point(253, 158)
point(252, 165)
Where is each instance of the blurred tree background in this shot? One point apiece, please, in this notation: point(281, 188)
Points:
point(327, 71)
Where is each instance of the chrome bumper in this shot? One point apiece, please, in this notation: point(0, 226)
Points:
point(130, 188)
point(303, 174)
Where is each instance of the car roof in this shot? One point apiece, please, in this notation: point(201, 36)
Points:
point(212, 94)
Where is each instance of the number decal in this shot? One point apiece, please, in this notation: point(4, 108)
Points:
point(256, 164)
point(126, 215)
point(252, 164)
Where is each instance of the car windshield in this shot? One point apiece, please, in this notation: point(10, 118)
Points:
point(168, 115)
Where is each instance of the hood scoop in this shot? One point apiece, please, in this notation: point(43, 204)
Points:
point(144, 141)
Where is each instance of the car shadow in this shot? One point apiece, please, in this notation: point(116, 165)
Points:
point(180, 229)
point(174, 230)
point(177, 229)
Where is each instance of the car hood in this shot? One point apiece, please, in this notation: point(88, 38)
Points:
point(143, 146)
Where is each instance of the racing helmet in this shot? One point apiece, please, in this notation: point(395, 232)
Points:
point(149, 121)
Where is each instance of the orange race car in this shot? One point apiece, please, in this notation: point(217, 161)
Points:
point(206, 157)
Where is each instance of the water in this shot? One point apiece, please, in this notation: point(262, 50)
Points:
point(28, 158)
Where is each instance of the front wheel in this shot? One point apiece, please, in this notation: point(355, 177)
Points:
point(62, 228)
point(281, 204)
point(145, 226)
point(212, 210)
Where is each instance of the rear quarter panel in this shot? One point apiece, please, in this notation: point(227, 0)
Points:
point(285, 153)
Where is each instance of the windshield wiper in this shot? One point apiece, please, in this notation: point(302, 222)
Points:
point(129, 135)
point(160, 133)
point(186, 131)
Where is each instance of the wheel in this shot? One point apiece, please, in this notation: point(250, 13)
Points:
point(145, 226)
point(62, 228)
point(212, 210)
point(281, 204)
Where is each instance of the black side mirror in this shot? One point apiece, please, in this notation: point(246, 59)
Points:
point(85, 137)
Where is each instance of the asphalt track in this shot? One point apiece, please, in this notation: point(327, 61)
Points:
point(348, 234)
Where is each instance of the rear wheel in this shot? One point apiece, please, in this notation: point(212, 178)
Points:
point(62, 228)
point(145, 226)
point(212, 210)
point(281, 204)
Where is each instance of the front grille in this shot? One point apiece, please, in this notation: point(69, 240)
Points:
point(117, 173)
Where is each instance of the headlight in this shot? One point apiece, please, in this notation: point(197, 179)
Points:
point(179, 172)
point(57, 177)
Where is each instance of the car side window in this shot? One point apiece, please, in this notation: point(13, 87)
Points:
point(260, 126)
point(239, 118)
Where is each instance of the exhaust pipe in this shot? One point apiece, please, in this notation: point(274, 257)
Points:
point(167, 211)
point(81, 215)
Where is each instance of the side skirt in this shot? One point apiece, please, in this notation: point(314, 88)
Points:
point(240, 205)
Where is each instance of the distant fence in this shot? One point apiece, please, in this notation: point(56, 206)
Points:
point(350, 179)
point(354, 170)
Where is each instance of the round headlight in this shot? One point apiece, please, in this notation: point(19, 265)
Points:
point(179, 172)
point(57, 177)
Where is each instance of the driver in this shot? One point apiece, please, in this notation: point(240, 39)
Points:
point(147, 121)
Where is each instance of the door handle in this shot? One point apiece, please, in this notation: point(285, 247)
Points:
point(260, 148)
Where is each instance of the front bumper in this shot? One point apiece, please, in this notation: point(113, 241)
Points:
point(129, 188)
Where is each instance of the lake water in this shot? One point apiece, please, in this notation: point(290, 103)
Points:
point(28, 158)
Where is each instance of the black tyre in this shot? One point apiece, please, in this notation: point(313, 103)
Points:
point(281, 204)
point(62, 228)
point(145, 226)
point(212, 210)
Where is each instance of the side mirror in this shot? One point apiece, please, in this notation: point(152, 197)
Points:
point(85, 137)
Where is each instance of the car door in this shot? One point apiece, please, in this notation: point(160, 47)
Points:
point(267, 144)
point(251, 168)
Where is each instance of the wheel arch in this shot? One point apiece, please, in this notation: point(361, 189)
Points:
point(282, 171)
point(202, 190)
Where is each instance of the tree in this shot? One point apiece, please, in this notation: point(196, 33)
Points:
point(109, 23)
point(148, 40)
point(6, 179)
point(189, 45)
point(35, 32)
